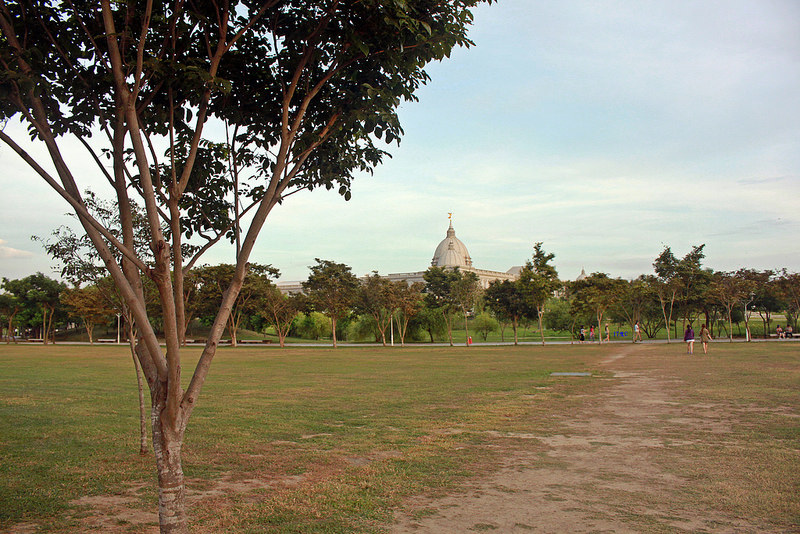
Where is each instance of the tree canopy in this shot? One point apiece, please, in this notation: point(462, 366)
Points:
point(303, 92)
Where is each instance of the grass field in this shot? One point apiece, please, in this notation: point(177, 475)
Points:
point(323, 440)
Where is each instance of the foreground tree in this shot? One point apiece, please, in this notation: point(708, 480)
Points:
point(305, 89)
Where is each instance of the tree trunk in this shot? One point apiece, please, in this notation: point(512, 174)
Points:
point(44, 326)
point(232, 330)
point(466, 330)
point(514, 327)
point(140, 386)
point(599, 322)
point(333, 329)
point(541, 330)
point(167, 444)
point(89, 330)
point(730, 325)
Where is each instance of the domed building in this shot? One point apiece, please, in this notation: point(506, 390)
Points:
point(452, 253)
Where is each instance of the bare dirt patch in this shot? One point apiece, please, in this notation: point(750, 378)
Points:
point(606, 468)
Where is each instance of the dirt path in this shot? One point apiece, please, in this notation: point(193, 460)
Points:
point(599, 473)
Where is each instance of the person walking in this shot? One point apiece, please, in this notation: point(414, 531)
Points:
point(637, 334)
point(583, 334)
point(688, 337)
point(705, 337)
point(607, 333)
point(591, 334)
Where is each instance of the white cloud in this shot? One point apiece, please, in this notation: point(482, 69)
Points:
point(7, 253)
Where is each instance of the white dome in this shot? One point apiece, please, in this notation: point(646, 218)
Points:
point(451, 252)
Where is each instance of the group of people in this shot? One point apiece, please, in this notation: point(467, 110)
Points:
point(705, 338)
point(783, 334)
point(636, 333)
point(688, 336)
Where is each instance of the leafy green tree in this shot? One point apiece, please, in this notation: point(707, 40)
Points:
point(729, 290)
point(558, 316)
point(789, 284)
point(409, 303)
point(363, 328)
point(213, 282)
point(751, 279)
point(9, 308)
point(651, 314)
point(666, 284)
point(89, 304)
point(768, 298)
point(312, 325)
point(485, 324)
point(307, 91)
point(280, 310)
point(596, 293)
point(439, 295)
point(332, 289)
point(506, 300)
point(693, 281)
point(465, 292)
point(538, 281)
point(38, 296)
point(377, 298)
point(430, 320)
point(632, 299)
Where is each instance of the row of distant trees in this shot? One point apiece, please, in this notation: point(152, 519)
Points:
point(337, 303)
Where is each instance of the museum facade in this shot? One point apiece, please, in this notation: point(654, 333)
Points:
point(451, 253)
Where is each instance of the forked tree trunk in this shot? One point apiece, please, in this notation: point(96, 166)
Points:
point(514, 326)
point(167, 444)
point(540, 313)
point(232, 330)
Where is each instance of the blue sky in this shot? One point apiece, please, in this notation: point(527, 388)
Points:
point(604, 129)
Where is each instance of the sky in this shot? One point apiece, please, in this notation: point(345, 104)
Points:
point(606, 130)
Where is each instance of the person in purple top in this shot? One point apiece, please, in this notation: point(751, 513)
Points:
point(688, 337)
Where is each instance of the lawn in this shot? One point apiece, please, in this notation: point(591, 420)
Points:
point(314, 439)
